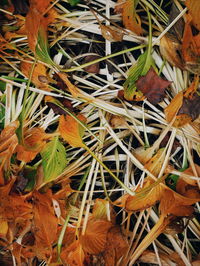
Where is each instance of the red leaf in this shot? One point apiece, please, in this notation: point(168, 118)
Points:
point(152, 86)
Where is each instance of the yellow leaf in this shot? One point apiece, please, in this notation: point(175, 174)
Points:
point(3, 228)
point(71, 131)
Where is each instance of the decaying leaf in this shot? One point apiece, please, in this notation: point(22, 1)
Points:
point(171, 49)
point(116, 246)
point(94, 68)
point(152, 86)
point(71, 131)
point(111, 33)
point(34, 141)
point(44, 224)
point(194, 10)
point(39, 76)
point(73, 255)
point(94, 239)
point(130, 18)
point(191, 48)
point(8, 144)
point(184, 106)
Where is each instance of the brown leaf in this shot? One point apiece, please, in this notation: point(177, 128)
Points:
point(111, 33)
point(171, 50)
point(152, 86)
point(191, 106)
point(191, 48)
point(39, 76)
point(34, 141)
point(94, 68)
point(116, 246)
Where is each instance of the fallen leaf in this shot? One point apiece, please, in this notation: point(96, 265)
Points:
point(152, 86)
point(73, 255)
point(34, 141)
point(149, 257)
point(190, 106)
point(194, 10)
point(191, 48)
point(45, 224)
point(8, 144)
point(116, 246)
point(54, 159)
point(171, 50)
point(71, 131)
point(94, 68)
point(94, 239)
point(72, 88)
point(130, 18)
point(39, 75)
point(111, 33)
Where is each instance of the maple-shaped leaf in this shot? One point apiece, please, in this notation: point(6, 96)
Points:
point(152, 86)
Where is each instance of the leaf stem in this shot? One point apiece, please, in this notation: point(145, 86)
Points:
point(128, 190)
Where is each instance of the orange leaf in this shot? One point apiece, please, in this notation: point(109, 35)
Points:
point(194, 10)
point(191, 48)
point(34, 141)
point(94, 239)
point(172, 109)
point(116, 246)
point(72, 88)
point(73, 255)
point(44, 223)
point(146, 199)
point(8, 144)
point(130, 19)
point(71, 131)
point(176, 204)
point(39, 75)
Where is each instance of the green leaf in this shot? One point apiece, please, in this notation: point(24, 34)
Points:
point(74, 2)
point(53, 159)
point(144, 62)
point(42, 48)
